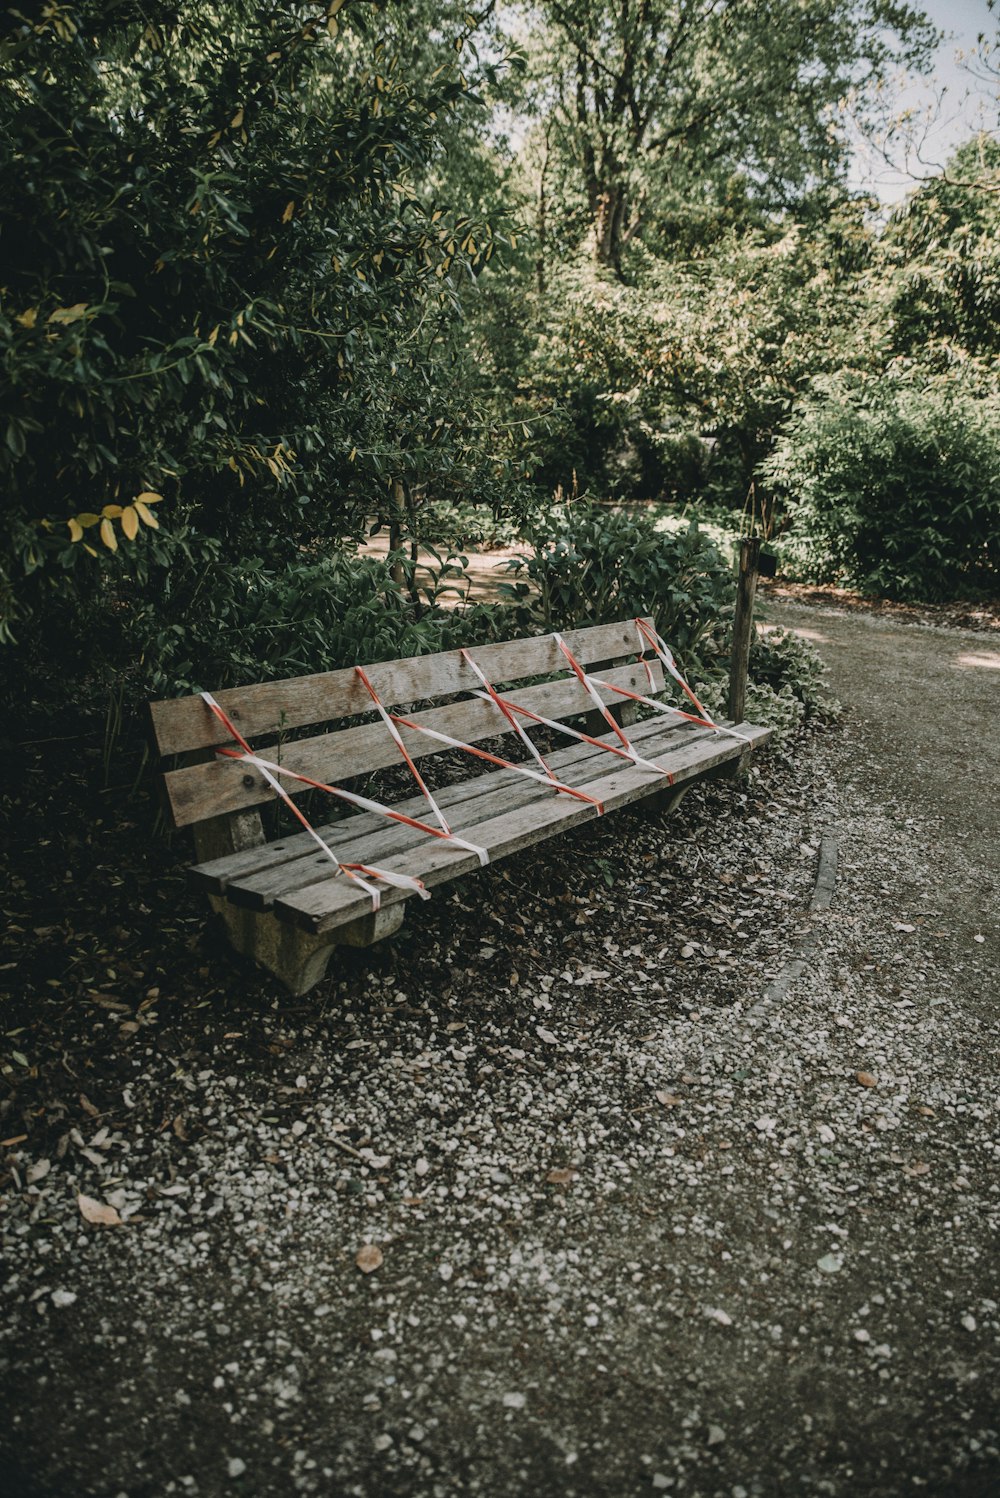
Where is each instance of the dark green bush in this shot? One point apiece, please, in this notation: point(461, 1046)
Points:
point(893, 490)
point(463, 524)
point(592, 565)
point(247, 623)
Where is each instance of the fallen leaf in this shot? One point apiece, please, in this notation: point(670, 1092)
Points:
point(668, 1099)
point(561, 1176)
point(88, 1106)
point(97, 1212)
point(369, 1258)
point(687, 1078)
point(866, 1079)
point(902, 926)
point(14, 1139)
point(38, 1171)
point(918, 1168)
point(546, 1035)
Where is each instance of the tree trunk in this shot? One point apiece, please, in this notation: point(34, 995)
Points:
point(609, 216)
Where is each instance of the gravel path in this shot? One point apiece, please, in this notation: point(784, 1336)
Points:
point(572, 1189)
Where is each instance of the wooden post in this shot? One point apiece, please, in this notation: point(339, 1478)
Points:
point(739, 661)
point(396, 532)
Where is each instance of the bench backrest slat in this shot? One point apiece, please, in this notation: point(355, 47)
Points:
point(185, 724)
point(223, 786)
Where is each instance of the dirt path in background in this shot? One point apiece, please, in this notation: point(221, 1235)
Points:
point(485, 572)
point(650, 1221)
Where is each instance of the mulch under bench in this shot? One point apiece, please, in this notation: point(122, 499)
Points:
point(284, 902)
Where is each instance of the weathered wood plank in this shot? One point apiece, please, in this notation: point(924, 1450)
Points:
point(322, 907)
point(185, 723)
point(568, 762)
point(262, 887)
point(222, 786)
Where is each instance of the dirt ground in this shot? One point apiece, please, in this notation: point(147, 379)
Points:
point(654, 1210)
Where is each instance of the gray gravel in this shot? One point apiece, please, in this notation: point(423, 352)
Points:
point(647, 1218)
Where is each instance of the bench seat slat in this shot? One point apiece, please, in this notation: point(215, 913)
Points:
point(182, 725)
point(259, 889)
point(222, 786)
point(216, 875)
point(324, 906)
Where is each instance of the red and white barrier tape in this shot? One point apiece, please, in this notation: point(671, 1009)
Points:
point(353, 871)
point(653, 640)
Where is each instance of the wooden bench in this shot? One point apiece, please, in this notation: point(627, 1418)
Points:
point(286, 905)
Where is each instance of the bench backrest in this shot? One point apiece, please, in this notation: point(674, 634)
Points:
point(265, 714)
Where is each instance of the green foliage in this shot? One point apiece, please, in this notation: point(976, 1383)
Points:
point(653, 109)
point(592, 565)
point(221, 283)
point(249, 623)
point(462, 524)
point(678, 384)
point(789, 666)
point(937, 273)
point(894, 489)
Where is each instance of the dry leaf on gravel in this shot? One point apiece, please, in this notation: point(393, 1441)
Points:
point(97, 1212)
point(560, 1176)
point(866, 1079)
point(369, 1258)
point(668, 1099)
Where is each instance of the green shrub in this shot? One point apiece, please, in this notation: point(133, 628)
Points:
point(250, 623)
point(893, 490)
point(593, 565)
point(783, 662)
point(463, 524)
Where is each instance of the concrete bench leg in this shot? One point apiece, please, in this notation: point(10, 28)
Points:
point(298, 959)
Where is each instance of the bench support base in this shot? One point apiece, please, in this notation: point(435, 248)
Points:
point(297, 958)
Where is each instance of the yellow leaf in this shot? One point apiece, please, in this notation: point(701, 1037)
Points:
point(289, 211)
point(150, 497)
point(237, 119)
point(332, 26)
point(29, 318)
point(130, 522)
point(75, 530)
point(108, 535)
point(352, 455)
point(146, 515)
point(69, 314)
point(213, 336)
point(112, 512)
point(214, 140)
point(87, 518)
